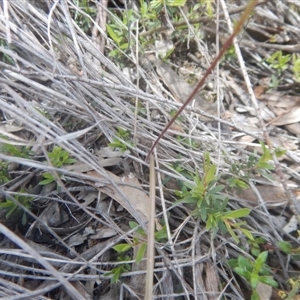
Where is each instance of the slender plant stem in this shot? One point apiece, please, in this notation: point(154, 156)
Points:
point(227, 44)
point(151, 230)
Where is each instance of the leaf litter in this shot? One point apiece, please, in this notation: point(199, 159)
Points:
point(61, 90)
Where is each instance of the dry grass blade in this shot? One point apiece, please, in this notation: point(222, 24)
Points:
point(10, 235)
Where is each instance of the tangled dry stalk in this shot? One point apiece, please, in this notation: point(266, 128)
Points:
point(57, 88)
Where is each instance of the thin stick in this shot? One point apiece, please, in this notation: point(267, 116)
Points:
point(150, 246)
point(137, 84)
point(237, 29)
point(23, 245)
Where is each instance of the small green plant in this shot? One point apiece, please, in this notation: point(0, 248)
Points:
point(150, 17)
point(254, 271)
point(83, 21)
point(160, 4)
point(12, 207)
point(58, 158)
point(256, 245)
point(121, 135)
point(230, 54)
point(203, 195)
point(11, 150)
point(16, 151)
point(120, 269)
point(4, 174)
point(123, 248)
point(159, 235)
point(3, 56)
point(181, 170)
point(254, 166)
point(118, 30)
point(287, 248)
point(295, 285)
point(278, 61)
point(209, 7)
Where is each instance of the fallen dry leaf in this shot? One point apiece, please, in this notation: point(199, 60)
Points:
point(272, 195)
point(293, 128)
point(138, 202)
point(264, 291)
point(180, 89)
point(259, 90)
point(129, 186)
point(293, 116)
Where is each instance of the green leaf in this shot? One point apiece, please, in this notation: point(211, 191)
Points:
point(176, 2)
point(24, 219)
point(206, 162)
point(254, 280)
point(161, 234)
point(7, 204)
point(265, 165)
point(155, 4)
point(255, 251)
point(222, 227)
point(140, 253)
point(203, 212)
point(244, 263)
point(247, 233)
point(242, 184)
point(268, 280)
point(210, 174)
point(285, 247)
point(265, 270)
point(11, 211)
point(259, 262)
point(216, 189)
point(231, 182)
point(190, 185)
point(133, 225)
point(117, 272)
point(280, 152)
point(144, 8)
point(266, 151)
point(210, 222)
point(70, 161)
point(113, 53)
point(234, 236)
point(235, 182)
point(122, 247)
point(189, 200)
point(123, 46)
point(112, 34)
point(239, 213)
point(233, 263)
point(242, 272)
point(224, 204)
point(255, 296)
point(47, 181)
point(296, 257)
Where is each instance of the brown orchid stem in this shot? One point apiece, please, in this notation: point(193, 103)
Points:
point(227, 44)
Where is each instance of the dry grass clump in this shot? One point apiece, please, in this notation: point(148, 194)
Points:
point(59, 90)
